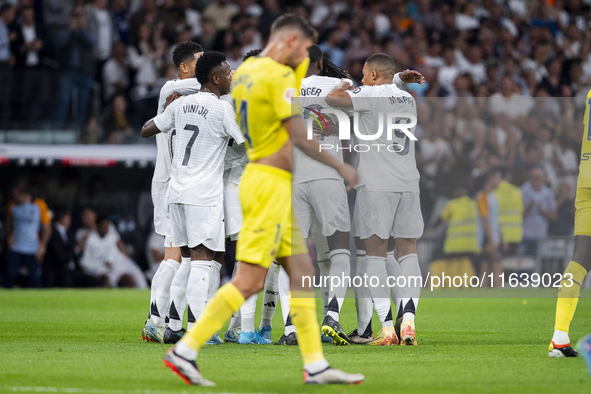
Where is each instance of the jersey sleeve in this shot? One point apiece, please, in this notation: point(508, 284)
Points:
point(165, 121)
point(361, 98)
point(231, 128)
point(43, 210)
point(282, 89)
point(482, 202)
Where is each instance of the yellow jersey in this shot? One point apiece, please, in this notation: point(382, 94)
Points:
point(585, 166)
point(262, 90)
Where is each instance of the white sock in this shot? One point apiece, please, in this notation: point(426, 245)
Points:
point(167, 271)
point(270, 295)
point(178, 295)
point(185, 351)
point(410, 294)
point(316, 366)
point(235, 321)
point(394, 270)
point(214, 279)
point(153, 307)
point(340, 266)
point(324, 266)
point(560, 338)
point(376, 266)
point(247, 311)
point(198, 289)
point(283, 280)
point(363, 303)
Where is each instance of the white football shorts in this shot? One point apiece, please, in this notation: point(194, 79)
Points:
point(324, 200)
point(387, 214)
point(193, 225)
point(232, 210)
point(161, 215)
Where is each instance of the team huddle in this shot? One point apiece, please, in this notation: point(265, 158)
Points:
point(224, 172)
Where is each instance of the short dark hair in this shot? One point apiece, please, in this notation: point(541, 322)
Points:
point(5, 7)
point(383, 62)
point(185, 51)
point(315, 53)
point(294, 21)
point(251, 53)
point(207, 63)
point(59, 213)
point(102, 218)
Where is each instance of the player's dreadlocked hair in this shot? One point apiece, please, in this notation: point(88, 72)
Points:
point(251, 53)
point(185, 51)
point(329, 69)
point(206, 64)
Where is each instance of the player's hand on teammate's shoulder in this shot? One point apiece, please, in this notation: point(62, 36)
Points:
point(171, 97)
point(349, 174)
point(412, 76)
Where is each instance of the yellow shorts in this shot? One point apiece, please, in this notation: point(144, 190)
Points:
point(269, 229)
point(583, 212)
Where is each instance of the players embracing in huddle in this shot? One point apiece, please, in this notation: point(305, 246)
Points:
point(201, 134)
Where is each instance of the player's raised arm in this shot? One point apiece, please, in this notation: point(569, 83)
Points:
point(310, 147)
point(338, 97)
point(149, 129)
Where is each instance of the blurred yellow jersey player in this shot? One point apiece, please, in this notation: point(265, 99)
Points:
point(262, 90)
point(568, 294)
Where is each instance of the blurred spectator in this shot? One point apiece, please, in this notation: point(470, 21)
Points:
point(59, 260)
point(104, 258)
point(75, 45)
point(566, 163)
point(463, 226)
point(539, 210)
point(145, 60)
point(221, 13)
point(565, 203)
point(120, 13)
point(192, 17)
point(117, 127)
point(510, 214)
point(154, 253)
point(7, 14)
point(116, 72)
point(491, 237)
point(27, 244)
point(29, 50)
point(99, 19)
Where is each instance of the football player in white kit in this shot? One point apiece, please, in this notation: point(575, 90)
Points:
point(202, 126)
point(185, 56)
point(387, 202)
point(320, 198)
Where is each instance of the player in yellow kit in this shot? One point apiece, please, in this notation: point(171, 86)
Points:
point(262, 90)
point(568, 294)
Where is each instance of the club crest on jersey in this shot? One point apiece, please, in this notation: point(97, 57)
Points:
point(289, 94)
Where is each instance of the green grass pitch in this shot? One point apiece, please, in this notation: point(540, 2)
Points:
point(88, 341)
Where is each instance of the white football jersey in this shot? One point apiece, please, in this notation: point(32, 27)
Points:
point(382, 169)
point(313, 92)
point(202, 125)
point(163, 145)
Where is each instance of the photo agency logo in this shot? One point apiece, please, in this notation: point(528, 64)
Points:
point(390, 135)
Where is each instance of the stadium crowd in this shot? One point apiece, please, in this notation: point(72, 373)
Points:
point(503, 78)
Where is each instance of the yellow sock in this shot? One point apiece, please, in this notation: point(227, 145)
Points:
point(568, 297)
point(221, 307)
point(303, 316)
